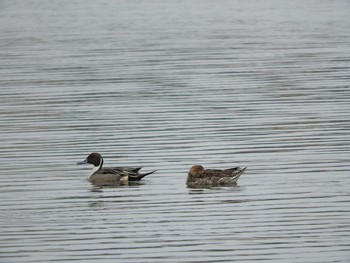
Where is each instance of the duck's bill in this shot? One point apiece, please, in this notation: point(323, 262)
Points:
point(83, 162)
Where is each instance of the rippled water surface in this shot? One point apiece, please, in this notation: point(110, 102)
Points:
point(165, 85)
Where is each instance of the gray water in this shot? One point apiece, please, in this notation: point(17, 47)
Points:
point(165, 85)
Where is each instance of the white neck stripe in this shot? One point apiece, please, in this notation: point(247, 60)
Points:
point(96, 168)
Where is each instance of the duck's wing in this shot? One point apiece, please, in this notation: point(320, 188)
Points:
point(132, 172)
point(211, 177)
point(131, 169)
point(126, 168)
point(215, 173)
point(117, 171)
point(220, 177)
point(232, 169)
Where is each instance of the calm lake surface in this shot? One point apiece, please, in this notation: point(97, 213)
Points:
point(165, 85)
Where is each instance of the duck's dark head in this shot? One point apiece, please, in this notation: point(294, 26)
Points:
point(195, 170)
point(194, 173)
point(94, 159)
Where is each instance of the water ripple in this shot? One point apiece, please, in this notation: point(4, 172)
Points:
point(166, 85)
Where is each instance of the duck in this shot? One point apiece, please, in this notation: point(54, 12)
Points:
point(200, 177)
point(111, 175)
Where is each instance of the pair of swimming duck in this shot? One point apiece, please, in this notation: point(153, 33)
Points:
point(197, 176)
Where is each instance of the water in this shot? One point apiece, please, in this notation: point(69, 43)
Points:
point(165, 85)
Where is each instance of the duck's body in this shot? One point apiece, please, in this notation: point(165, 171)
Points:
point(200, 177)
point(111, 175)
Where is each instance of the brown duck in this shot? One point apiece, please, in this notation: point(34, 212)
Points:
point(200, 177)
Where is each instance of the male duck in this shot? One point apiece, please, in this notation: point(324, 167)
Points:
point(111, 175)
point(200, 177)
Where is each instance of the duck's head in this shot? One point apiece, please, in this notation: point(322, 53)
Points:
point(94, 159)
point(195, 170)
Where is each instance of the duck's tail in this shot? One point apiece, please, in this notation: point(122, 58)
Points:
point(138, 176)
point(236, 172)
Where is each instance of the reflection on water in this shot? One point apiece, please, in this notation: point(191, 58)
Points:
point(166, 85)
